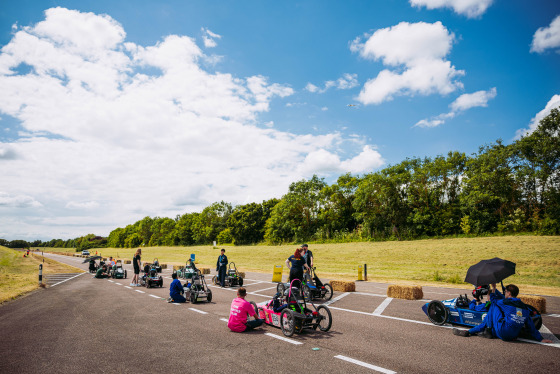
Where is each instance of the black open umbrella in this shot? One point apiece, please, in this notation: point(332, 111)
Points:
point(91, 259)
point(490, 271)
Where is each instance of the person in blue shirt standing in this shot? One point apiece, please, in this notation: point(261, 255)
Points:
point(506, 317)
point(176, 291)
point(296, 264)
point(221, 267)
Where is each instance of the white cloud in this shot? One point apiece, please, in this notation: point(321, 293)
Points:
point(462, 103)
point(209, 38)
point(346, 82)
point(417, 51)
point(138, 130)
point(469, 8)
point(547, 37)
point(553, 103)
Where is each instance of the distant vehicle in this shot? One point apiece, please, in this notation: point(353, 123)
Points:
point(85, 252)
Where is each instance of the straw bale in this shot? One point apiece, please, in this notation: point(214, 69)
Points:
point(163, 266)
point(405, 292)
point(127, 262)
point(242, 274)
point(537, 302)
point(177, 267)
point(204, 270)
point(343, 286)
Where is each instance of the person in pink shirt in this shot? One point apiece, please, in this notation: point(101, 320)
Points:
point(240, 308)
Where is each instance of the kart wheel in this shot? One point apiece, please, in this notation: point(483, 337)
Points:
point(326, 318)
point(255, 307)
point(280, 288)
point(287, 322)
point(536, 317)
point(229, 282)
point(215, 280)
point(437, 312)
point(209, 298)
point(193, 298)
point(240, 282)
point(328, 292)
point(306, 292)
point(125, 274)
point(148, 285)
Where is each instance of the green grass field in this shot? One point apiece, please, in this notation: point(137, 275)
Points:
point(442, 262)
point(19, 275)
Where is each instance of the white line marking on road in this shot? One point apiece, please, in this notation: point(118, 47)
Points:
point(128, 287)
point(365, 364)
point(552, 315)
point(111, 281)
point(118, 284)
point(379, 310)
point(139, 291)
point(258, 281)
point(154, 296)
point(283, 338)
point(336, 298)
point(224, 319)
point(175, 303)
point(266, 289)
point(67, 279)
point(547, 334)
point(198, 310)
point(369, 294)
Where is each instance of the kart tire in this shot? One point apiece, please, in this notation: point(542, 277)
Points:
point(329, 292)
point(193, 298)
point(287, 322)
point(148, 285)
point(215, 280)
point(209, 297)
point(240, 282)
point(437, 312)
point(306, 292)
point(280, 288)
point(125, 274)
point(255, 307)
point(326, 321)
point(229, 282)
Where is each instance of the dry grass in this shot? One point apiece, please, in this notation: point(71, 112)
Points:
point(437, 262)
point(19, 275)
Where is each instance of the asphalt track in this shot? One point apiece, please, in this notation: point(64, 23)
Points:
point(87, 325)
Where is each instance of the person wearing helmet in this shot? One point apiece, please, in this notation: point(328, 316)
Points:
point(478, 304)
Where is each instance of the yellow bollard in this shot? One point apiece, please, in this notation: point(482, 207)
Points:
point(360, 272)
point(277, 274)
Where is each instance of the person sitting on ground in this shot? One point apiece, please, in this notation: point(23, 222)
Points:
point(506, 317)
point(240, 308)
point(176, 291)
point(102, 272)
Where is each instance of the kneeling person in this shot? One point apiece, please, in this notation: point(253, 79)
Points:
point(102, 272)
point(240, 308)
point(176, 291)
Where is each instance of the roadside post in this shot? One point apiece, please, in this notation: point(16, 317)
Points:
point(365, 272)
point(277, 273)
point(40, 274)
point(360, 271)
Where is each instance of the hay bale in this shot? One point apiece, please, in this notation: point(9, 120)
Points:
point(204, 270)
point(242, 274)
point(163, 266)
point(343, 286)
point(104, 259)
point(127, 262)
point(405, 292)
point(177, 267)
point(537, 302)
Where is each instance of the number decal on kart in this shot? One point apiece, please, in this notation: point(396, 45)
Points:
point(275, 320)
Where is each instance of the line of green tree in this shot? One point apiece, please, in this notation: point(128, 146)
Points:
point(500, 189)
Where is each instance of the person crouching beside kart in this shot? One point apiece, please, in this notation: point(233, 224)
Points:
point(478, 304)
point(102, 272)
point(506, 317)
point(176, 291)
point(238, 313)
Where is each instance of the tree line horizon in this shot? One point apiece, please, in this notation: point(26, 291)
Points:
point(511, 188)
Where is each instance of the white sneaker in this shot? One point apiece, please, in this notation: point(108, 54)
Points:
point(169, 300)
point(132, 285)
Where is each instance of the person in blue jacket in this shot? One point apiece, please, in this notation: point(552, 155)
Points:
point(221, 267)
point(506, 317)
point(478, 304)
point(176, 291)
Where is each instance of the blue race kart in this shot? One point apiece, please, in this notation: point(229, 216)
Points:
point(456, 311)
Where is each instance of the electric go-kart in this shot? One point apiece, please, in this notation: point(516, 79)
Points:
point(151, 277)
point(232, 277)
point(313, 288)
point(188, 271)
point(290, 312)
point(456, 311)
point(157, 265)
point(196, 289)
point(117, 272)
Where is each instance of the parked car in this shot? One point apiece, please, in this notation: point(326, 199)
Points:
point(85, 252)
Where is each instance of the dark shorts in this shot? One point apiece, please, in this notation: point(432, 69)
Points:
point(136, 270)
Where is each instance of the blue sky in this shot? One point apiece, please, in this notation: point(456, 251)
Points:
point(114, 110)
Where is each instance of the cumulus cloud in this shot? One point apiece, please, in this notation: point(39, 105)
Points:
point(346, 82)
point(417, 52)
point(209, 38)
point(139, 130)
point(547, 37)
point(469, 8)
point(553, 103)
point(462, 103)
